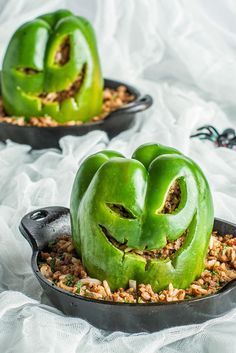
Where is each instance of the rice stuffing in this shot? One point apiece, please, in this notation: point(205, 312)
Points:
point(61, 265)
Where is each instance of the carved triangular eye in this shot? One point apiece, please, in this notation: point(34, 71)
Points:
point(120, 210)
point(28, 71)
point(62, 55)
point(172, 200)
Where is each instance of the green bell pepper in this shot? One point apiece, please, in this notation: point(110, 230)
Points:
point(116, 200)
point(51, 68)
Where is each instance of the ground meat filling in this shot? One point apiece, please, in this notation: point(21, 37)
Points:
point(113, 99)
point(62, 56)
point(168, 250)
point(60, 264)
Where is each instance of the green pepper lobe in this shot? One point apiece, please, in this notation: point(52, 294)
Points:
point(51, 67)
point(116, 200)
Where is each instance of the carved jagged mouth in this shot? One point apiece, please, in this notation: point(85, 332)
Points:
point(70, 92)
point(60, 96)
point(170, 248)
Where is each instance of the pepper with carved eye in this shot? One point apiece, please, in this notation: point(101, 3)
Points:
point(51, 68)
point(119, 203)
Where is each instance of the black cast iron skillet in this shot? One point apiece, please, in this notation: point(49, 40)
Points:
point(44, 225)
point(46, 137)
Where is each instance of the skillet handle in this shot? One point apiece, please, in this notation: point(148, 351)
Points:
point(43, 225)
point(140, 104)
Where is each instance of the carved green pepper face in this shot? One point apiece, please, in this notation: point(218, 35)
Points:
point(51, 67)
point(118, 214)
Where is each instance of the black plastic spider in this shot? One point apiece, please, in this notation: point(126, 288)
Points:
point(226, 139)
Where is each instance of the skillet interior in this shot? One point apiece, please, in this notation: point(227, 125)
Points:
point(47, 137)
point(41, 226)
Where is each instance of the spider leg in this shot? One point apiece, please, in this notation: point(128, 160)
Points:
point(211, 129)
point(203, 136)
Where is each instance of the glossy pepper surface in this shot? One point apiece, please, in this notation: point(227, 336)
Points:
point(118, 201)
point(51, 68)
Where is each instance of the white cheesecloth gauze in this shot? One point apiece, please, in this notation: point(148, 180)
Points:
point(181, 52)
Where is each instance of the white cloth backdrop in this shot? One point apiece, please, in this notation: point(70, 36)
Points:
point(184, 54)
